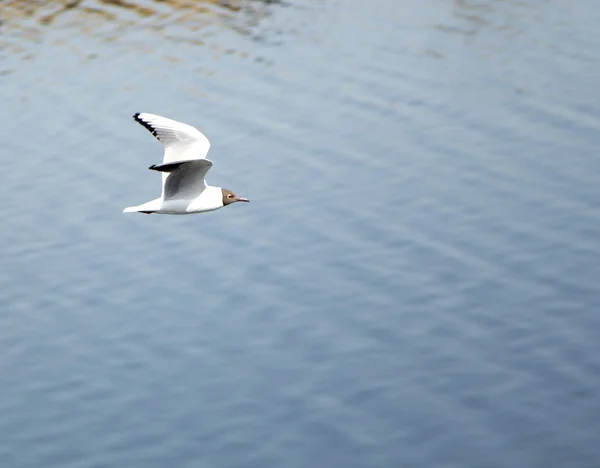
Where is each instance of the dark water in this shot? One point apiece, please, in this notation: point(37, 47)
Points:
point(415, 283)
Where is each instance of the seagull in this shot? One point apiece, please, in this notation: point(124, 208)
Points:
point(184, 167)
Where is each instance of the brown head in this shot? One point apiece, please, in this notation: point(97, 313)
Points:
point(230, 197)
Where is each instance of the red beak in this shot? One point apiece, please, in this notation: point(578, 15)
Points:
point(243, 199)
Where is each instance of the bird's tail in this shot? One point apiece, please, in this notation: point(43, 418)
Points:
point(136, 209)
point(149, 207)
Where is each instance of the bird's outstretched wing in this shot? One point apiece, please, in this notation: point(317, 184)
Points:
point(182, 142)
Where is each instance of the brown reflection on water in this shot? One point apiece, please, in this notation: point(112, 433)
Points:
point(46, 11)
point(471, 16)
point(179, 20)
point(486, 27)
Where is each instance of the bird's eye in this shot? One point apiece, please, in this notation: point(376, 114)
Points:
point(230, 196)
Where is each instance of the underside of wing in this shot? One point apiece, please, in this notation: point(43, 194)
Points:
point(182, 142)
point(184, 179)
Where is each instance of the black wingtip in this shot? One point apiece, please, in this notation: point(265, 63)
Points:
point(146, 125)
point(153, 167)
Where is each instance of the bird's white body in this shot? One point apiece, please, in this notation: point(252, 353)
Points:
point(210, 199)
point(184, 167)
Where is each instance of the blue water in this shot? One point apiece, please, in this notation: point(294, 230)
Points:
point(415, 280)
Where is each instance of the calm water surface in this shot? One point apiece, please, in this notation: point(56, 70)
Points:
point(415, 283)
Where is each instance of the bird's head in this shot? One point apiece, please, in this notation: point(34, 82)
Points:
point(230, 197)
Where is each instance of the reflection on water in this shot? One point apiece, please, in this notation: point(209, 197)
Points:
point(508, 17)
point(45, 12)
point(489, 26)
point(179, 21)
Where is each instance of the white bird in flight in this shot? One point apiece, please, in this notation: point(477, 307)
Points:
point(184, 166)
